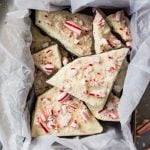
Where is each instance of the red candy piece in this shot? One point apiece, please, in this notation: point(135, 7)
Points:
point(43, 125)
point(72, 26)
point(63, 96)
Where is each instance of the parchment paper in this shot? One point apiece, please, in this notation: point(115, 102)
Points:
point(16, 78)
point(42, 4)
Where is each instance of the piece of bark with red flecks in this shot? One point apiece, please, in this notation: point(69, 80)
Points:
point(104, 39)
point(57, 112)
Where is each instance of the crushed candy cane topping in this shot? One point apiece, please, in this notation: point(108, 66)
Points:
point(64, 109)
point(94, 94)
point(76, 41)
point(129, 44)
point(103, 41)
point(49, 51)
point(65, 60)
point(73, 105)
point(119, 15)
point(68, 86)
point(101, 22)
point(113, 115)
point(50, 118)
point(110, 110)
point(111, 69)
point(43, 125)
point(85, 115)
point(100, 93)
point(62, 96)
point(73, 27)
point(48, 68)
point(110, 43)
point(74, 124)
point(45, 112)
point(41, 116)
point(51, 124)
point(64, 121)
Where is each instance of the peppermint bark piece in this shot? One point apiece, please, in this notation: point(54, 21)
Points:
point(74, 31)
point(48, 60)
point(118, 85)
point(58, 113)
point(40, 85)
point(103, 38)
point(90, 78)
point(120, 24)
point(39, 41)
point(109, 112)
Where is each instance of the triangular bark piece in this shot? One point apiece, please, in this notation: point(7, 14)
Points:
point(103, 38)
point(109, 112)
point(90, 78)
point(74, 31)
point(120, 24)
point(58, 113)
point(48, 60)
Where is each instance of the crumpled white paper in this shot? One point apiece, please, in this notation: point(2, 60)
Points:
point(77, 5)
point(16, 78)
point(41, 4)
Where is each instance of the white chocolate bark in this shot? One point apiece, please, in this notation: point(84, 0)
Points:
point(58, 113)
point(109, 112)
point(103, 38)
point(90, 78)
point(48, 60)
point(120, 25)
point(74, 31)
